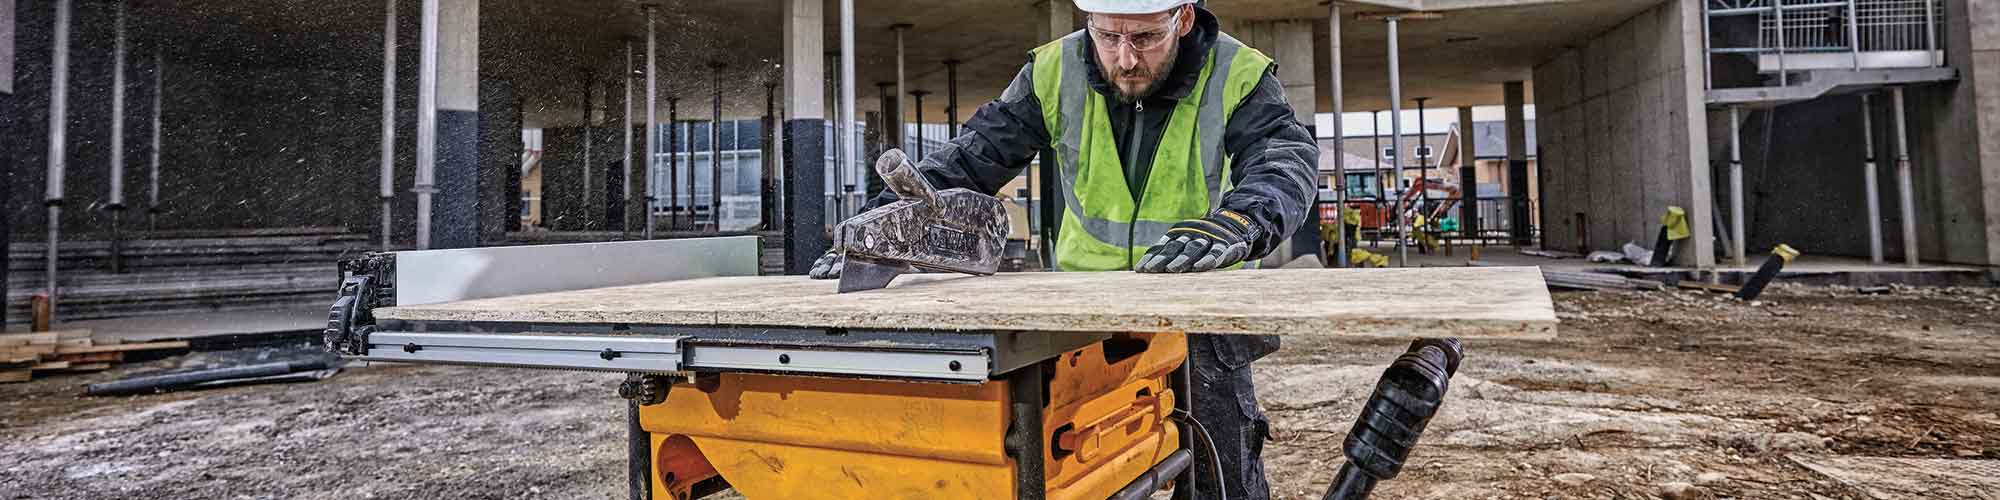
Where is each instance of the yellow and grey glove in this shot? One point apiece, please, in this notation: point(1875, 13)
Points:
point(1220, 240)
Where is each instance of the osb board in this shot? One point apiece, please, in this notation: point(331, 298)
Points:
point(1435, 302)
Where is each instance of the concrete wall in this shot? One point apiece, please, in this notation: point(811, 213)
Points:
point(1803, 163)
point(270, 146)
point(1621, 134)
point(1955, 134)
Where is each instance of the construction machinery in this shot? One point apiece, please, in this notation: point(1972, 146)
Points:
point(936, 386)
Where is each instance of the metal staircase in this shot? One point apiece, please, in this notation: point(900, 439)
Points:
point(1804, 49)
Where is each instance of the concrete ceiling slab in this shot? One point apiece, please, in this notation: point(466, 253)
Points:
point(544, 48)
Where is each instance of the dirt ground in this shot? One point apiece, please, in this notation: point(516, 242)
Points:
point(1643, 395)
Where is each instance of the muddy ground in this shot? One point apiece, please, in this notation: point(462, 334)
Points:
point(1643, 395)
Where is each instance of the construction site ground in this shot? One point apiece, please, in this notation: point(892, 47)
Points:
point(1675, 394)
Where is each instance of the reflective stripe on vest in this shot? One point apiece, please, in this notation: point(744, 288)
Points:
point(1103, 227)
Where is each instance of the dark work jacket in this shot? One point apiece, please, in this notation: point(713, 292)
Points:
point(1274, 158)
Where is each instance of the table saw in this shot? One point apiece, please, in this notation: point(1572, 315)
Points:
point(1017, 385)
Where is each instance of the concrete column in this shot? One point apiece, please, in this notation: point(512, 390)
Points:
point(448, 125)
point(447, 119)
point(1512, 93)
point(1290, 44)
point(7, 129)
point(1468, 173)
point(1057, 18)
point(805, 135)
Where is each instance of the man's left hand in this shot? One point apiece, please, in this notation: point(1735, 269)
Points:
point(1220, 240)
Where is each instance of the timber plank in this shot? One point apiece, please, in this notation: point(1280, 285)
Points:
point(171, 344)
point(1435, 302)
point(9, 376)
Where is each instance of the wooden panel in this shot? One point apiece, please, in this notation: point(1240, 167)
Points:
point(1460, 302)
point(173, 344)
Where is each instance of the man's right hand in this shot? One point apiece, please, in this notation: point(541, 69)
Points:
point(828, 266)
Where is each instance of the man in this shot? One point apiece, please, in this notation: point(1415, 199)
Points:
point(1168, 132)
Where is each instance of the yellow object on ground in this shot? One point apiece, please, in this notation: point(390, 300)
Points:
point(1364, 258)
point(790, 437)
point(1786, 252)
point(1676, 221)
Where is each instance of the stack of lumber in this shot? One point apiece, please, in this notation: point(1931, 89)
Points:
point(1590, 281)
point(184, 271)
point(22, 355)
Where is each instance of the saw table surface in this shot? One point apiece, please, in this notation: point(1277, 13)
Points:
point(1431, 302)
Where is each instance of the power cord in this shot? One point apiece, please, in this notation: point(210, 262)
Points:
point(1214, 455)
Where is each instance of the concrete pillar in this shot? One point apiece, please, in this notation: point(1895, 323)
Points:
point(7, 108)
point(1512, 93)
point(1057, 18)
point(805, 135)
point(1290, 44)
point(1468, 173)
point(448, 125)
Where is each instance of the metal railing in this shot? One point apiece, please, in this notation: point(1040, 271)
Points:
point(1495, 225)
point(1786, 29)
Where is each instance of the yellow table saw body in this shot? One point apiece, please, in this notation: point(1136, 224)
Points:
point(797, 437)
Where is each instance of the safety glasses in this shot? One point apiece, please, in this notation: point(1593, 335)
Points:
point(1140, 41)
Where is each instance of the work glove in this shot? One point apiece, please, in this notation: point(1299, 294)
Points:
point(828, 266)
point(1220, 240)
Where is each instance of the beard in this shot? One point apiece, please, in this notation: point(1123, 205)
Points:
point(1154, 76)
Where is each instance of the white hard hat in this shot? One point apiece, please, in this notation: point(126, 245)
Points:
point(1128, 6)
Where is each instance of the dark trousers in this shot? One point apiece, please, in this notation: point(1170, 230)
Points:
point(1225, 401)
